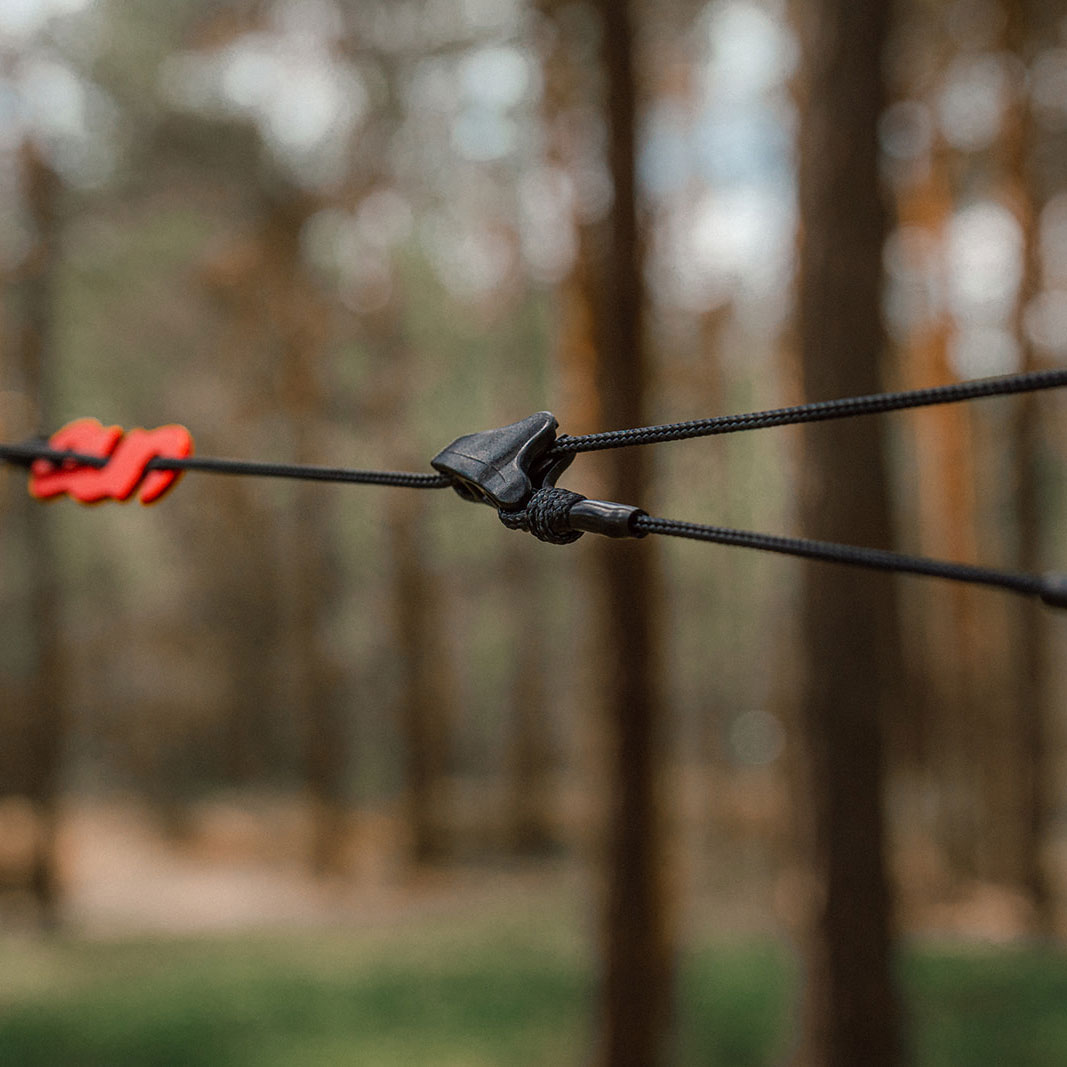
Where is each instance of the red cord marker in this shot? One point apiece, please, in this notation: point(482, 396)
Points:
point(128, 456)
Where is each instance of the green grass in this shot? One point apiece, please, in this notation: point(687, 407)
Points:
point(485, 989)
point(989, 1006)
point(479, 994)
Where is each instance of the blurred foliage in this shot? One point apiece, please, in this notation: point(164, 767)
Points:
point(493, 989)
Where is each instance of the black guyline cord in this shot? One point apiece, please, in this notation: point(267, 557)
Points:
point(820, 411)
point(1050, 588)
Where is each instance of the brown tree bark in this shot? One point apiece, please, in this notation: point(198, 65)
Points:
point(45, 711)
point(953, 711)
point(427, 697)
point(637, 983)
point(312, 550)
point(243, 597)
point(1032, 656)
point(851, 1012)
point(429, 686)
point(569, 66)
point(530, 755)
point(277, 309)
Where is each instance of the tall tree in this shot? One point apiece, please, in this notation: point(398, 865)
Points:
point(242, 599)
point(569, 74)
point(428, 700)
point(276, 308)
point(530, 755)
point(428, 683)
point(45, 710)
point(318, 693)
point(1032, 660)
point(851, 1013)
point(943, 717)
point(638, 942)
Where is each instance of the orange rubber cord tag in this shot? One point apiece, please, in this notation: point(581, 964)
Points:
point(127, 454)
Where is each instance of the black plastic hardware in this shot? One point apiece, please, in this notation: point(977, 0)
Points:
point(506, 466)
point(1054, 590)
point(503, 467)
point(605, 517)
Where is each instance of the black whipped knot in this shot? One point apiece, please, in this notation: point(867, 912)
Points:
point(546, 515)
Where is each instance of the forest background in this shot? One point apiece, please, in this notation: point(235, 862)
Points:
point(348, 233)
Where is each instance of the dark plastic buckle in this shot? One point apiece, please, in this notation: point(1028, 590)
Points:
point(503, 467)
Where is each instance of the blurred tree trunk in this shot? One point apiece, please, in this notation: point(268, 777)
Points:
point(638, 976)
point(568, 61)
point(428, 684)
point(244, 604)
point(45, 712)
point(953, 707)
point(297, 319)
point(1031, 683)
point(530, 757)
point(428, 697)
point(849, 637)
point(427, 678)
point(287, 316)
point(569, 58)
point(240, 593)
point(244, 591)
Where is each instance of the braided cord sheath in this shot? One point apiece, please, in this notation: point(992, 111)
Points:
point(25, 454)
point(402, 479)
point(872, 558)
point(821, 411)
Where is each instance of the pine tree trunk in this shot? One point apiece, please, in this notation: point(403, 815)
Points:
point(427, 680)
point(849, 629)
point(1032, 657)
point(638, 977)
point(45, 711)
point(530, 758)
point(951, 704)
point(317, 692)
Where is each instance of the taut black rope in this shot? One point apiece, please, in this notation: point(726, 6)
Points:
point(820, 411)
point(1051, 588)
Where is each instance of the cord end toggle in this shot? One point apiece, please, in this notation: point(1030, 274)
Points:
point(1053, 590)
point(605, 517)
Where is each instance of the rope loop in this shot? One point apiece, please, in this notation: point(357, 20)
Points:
point(546, 516)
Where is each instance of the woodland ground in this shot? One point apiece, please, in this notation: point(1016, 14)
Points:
point(216, 953)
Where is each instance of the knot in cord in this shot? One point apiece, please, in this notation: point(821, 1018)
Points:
point(546, 516)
